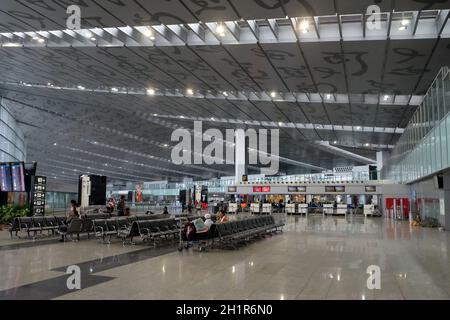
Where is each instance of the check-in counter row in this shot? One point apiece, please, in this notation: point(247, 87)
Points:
point(302, 208)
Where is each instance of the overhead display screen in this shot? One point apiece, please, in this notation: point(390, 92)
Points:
point(261, 189)
point(5, 177)
point(18, 177)
point(296, 189)
point(371, 189)
point(334, 188)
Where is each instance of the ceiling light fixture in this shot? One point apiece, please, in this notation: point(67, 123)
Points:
point(225, 93)
point(273, 94)
point(11, 44)
point(190, 91)
point(93, 39)
point(358, 128)
point(40, 40)
point(149, 33)
point(220, 29)
point(328, 96)
point(404, 22)
point(114, 89)
point(334, 142)
point(366, 144)
point(304, 25)
point(151, 91)
point(81, 87)
point(386, 97)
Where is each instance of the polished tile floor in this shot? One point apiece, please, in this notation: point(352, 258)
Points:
point(315, 258)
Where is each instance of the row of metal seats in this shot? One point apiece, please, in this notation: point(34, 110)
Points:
point(37, 225)
point(149, 230)
point(234, 231)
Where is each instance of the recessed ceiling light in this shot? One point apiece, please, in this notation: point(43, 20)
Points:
point(190, 91)
point(11, 44)
point(114, 89)
point(150, 91)
point(404, 22)
point(93, 38)
point(328, 96)
point(49, 84)
point(148, 32)
point(166, 145)
point(225, 93)
point(334, 142)
point(280, 123)
point(155, 114)
point(81, 87)
point(366, 144)
point(358, 128)
point(385, 97)
point(273, 94)
point(304, 25)
point(182, 117)
point(220, 29)
point(212, 118)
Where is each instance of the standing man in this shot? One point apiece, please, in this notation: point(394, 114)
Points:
point(121, 206)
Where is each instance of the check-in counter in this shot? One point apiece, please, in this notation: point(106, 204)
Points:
point(232, 207)
point(341, 209)
point(328, 208)
point(254, 208)
point(369, 209)
point(290, 208)
point(267, 208)
point(303, 208)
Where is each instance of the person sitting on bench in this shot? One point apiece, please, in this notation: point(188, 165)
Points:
point(71, 215)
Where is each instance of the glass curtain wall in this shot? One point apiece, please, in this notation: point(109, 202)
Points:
point(12, 145)
point(423, 148)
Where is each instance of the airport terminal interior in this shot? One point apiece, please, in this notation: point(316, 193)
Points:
point(225, 150)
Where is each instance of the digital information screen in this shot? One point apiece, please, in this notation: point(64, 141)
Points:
point(334, 188)
point(371, 189)
point(261, 189)
point(5, 177)
point(296, 189)
point(18, 177)
point(39, 188)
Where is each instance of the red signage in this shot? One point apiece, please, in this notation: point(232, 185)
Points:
point(261, 189)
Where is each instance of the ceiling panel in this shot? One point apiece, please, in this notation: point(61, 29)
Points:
point(253, 62)
point(290, 66)
point(405, 63)
point(326, 63)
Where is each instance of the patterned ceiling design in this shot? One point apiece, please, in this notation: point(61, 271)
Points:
point(30, 15)
point(127, 134)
